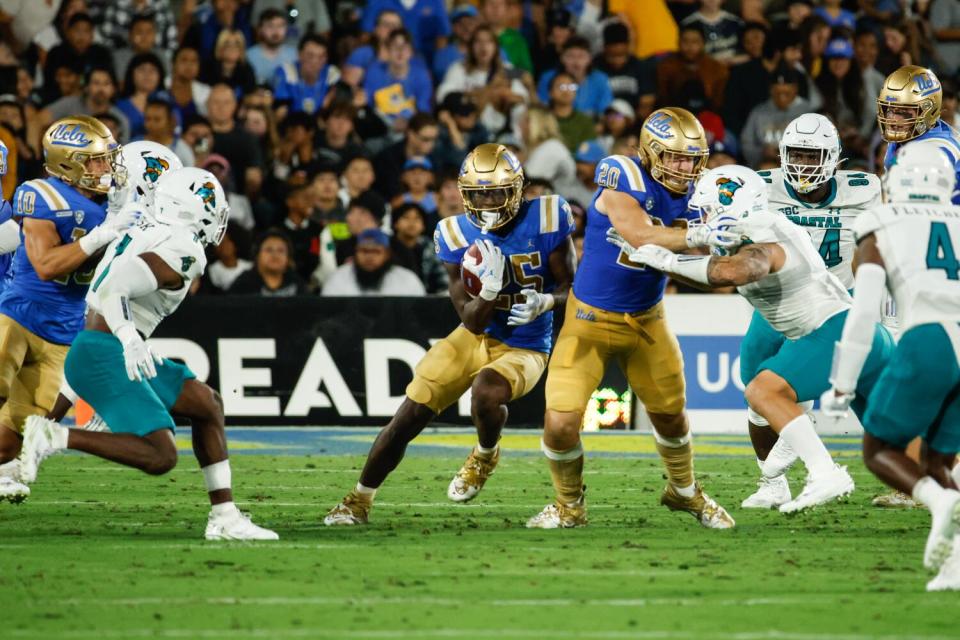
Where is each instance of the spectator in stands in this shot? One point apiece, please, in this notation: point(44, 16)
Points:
point(233, 142)
point(304, 232)
point(752, 42)
point(749, 83)
point(357, 179)
point(241, 212)
point(198, 134)
point(899, 47)
point(761, 134)
point(273, 274)
point(631, 79)
point(449, 200)
point(229, 65)
point(371, 272)
point(99, 89)
point(587, 156)
point(143, 80)
point(426, 20)
point(484, 76)
point(338, 240)
point(231, 258)
point(547, 157)
point(865, 51)
point(295, 149)
point(593, 86)
point(79, 49)
point(272, 51)
point(536, 188)
point(303, 86)
point(327, 207)
point(396, 89)
point(814, 36)
point(836, 16)
point(160, 125)
point(53, 32)
point(618, 119)
point(419, 139)
point(460, 131)
point(303, 16)
point(141, 38)
point(67, 78)
point(189, 94)
point(654, 29)
point(495, 14)
point(948, 112)
point(690, 70)
point(214, 18)
point(464, 19)
point(337, 141)
point(417, 179)
point(845, 101)
point(797, 12)
point(880, 11)
point(575, 127)
point(363, 57)
point(24, 20)
point(259, 122)
point(559, 31)
point(119, 16)
point(945, 22)
point(412, 247)
point(29, 160)
point(721, 30)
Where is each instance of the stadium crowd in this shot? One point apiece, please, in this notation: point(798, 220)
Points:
point(338, 127)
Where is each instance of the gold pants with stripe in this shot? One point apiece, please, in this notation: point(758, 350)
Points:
point(31, 371)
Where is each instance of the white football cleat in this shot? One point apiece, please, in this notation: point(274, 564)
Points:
point(949, 577)
point(236, 526)
point(13, 491)
point(770, 494)
point(559, 516)
point(821, 489)
point(946, 518)
point(39, 435)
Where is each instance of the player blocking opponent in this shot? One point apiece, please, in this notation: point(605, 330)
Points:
point(615, 311)
point(142, 280)
point(780, 273)
point(911, 246)
point(501, 349)
point(810, 191)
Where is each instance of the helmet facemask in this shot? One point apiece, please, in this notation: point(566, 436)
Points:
point(115, 176)
point(902, 122)
point(806, 168)
point(492, 206)
point(676, 170)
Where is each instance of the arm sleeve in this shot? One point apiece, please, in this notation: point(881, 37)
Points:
point(855, 343)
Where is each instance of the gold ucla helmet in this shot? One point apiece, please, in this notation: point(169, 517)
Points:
point(909, 103)
point(71, 142)
point(491, 184)
point(675, 132)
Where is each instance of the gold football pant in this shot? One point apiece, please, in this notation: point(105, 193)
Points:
point(31, 370)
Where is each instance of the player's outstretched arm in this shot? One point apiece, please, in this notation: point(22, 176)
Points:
point(475, 313)
point(632, 222)
point(749, 264)
point(50, 258)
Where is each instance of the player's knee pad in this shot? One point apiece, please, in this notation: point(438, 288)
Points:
point(671, 443)
point(756, 418)
point(561, 456)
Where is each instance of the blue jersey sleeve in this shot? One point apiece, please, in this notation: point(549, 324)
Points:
point(449, 241)
point(37, 199)
point(620, 173)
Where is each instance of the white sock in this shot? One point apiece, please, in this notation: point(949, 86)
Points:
point(487, 452)
point(217, 476)
point(929, 492)
point(800, 435)
point(10, 469)
point(686, 492)
point(365, 491)
point(223, 509)
point(58, 437)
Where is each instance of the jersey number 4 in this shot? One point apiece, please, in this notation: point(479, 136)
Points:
point(940, 253)
point(830, 248)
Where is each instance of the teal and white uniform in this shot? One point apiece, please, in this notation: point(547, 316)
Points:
point(829, 225)
point(918, 393)
point(806, 305)
point(95, 366)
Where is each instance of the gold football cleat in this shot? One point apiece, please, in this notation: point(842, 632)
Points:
point(354, 510)
point(560, 516)
point(472, 475)
point(701, 506)
point(895, 500)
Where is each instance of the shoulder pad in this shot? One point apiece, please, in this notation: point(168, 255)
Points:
point(620, 173)
point(759, 227)
point(858, 187)
point(37, 197)
point(868, 222)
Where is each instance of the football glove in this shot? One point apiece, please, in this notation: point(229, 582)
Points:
point(717, 234)
point(655, 257)
point(490, 269)
point(535, 303)
point(835, 403)
point(140, 361)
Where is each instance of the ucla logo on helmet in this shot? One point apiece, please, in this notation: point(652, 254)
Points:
point(659, 125)
point(728, 187)
point(926, 83)
point(69, 136)
point(208, 195)
point(154, 167)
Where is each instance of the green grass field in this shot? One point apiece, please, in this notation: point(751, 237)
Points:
point(104, 552)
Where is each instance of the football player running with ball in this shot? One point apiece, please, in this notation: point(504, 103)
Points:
point(781, 274)
point(911, 245)
point(615, 312)
point(144, 277)
point(500, 351)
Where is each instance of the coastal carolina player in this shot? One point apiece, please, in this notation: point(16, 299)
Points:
point(63, 229)
point(911, 245)
point(780, 273)
point(144, 277)
point(615, 312)
point(810, 191)
point(500, 350)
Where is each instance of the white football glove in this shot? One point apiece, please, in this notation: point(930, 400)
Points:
point(117, 197)
point(111, 228)
point(490, 269)
point(721, 233)
point(526, 312)
point(617, 240)
point(139, 359)
point(835, 403)
point(655, 257)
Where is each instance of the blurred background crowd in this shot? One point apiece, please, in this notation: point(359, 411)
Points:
point(337, 127)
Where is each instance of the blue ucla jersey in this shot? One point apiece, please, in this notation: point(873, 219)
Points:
point(606, 278)
point(6, 259)
point(942, 136)
point(52, 309)
point(541, 226)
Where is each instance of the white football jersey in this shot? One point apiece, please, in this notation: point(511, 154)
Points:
point(920, 245)
point(176, 246)
point(802, 295)
point(828, 223)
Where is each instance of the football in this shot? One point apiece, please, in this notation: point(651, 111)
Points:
point(468, 267)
